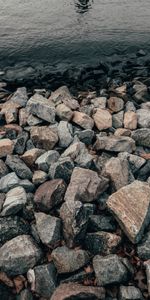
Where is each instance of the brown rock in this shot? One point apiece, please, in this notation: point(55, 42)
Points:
point(122, 132)
point(50, 194)
point(115, 144)
point(73, 290)
point(62, 95)
point(11, 115)
point(44, 137)
point(23, 116)
point(85, 186)
point(30, 156)
point(102, 119)
point(83, 120)
point(115, 104)
point(130, 120)
point(6, 147)
point(131, 207)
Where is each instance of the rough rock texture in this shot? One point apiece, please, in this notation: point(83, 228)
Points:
point(44, 137)
point(130, 120)
point(143, 249)
point(142, 137)
point(131, 207)
point(115, 144)
point(143, 118)
point(64, 112)
point(101, 223)
point(63, 169)
point(130, 293)
point(18, 166)
point(15, 201)
point(6, 147)
point(102, 119)
point(115, 104)
point(9, 181)
point(3, 169)
point(30, 156)
point(47, 159)
point(82, 120)
point(65, 134)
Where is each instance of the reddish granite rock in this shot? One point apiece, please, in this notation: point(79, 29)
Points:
point(6, 147)
point(102, 119)
point(30, 156)
point(83, 120)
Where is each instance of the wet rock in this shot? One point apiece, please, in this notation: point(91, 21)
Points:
point(143, 249)
point(101, 223)
point(30, 156)
point(62, 169)
point(3, 169)
point(102, 119)
point(62, 95)
point(50, 194)
point(143, 118)
point(42, 108)
point(130, 293)
point(18, 166)
point(86, 136)
point(11, 227)
point(20, 143)
point(44, 137)
point(65, 134)
point(15, 200)
point(77, 291)
point(85, 186)
point(9, 181)
point(18, 255)
point(39, 177)
point(102, 242)
point(67, 260)
point(115, 144)
point(25, 295)
point(83, 120)
point(130, 120)
point(131, 207)
point(142, 137)
point(115, 104)
point(49, 229)
point(99, 102)
point(6, 147)
point(47, 159)
point(110, 270)
point(64, 112)
point(117, 119)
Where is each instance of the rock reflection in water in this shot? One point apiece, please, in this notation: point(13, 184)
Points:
point(83, 6)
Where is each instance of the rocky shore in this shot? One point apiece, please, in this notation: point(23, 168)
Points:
point(75, 185)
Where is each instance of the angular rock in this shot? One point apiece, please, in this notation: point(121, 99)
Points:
point(2, 199)
point(42, 108)
point(85, 186)
point(101, 223)
point(64, 112)
point(33, 120)
point(27, 185)
point(102, 242)
point(117, 119)
point(50, 194)
point(3, 169)
point(130, 120)
point(18, 255)
point(99, 102)
point(23, 116)
point(83, 120)
point(20, 143)
point(25, 295)
point(39, 177)
point(18, 166)
point(30, 156)
point(115, 144)
point(15, 201)
point(115, 104)
point(110, 270)
point(68, 260)
point(130, 293)
point(122, 132)
point(65, 134)
point(135, 161)
point(143, 249)
point(67, 291)
point(49, 229)
point(11, 115)
point(131, 207)
point(141, 94)
point(144, 172)
point(47, 159)
point(143, 116)
point(20, 97)
point(102, 119)
point(147, 266)
point(9, 181)
point(86, 136)
point(44, 137)
point(62, 95)
point(130, 106)
point(6, 147)
point(62, 169)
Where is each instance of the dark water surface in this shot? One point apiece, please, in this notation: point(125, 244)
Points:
point(71, 31)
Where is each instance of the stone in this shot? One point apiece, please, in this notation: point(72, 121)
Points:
point(25, 295)
point(45, 280)
point(83, 120)
point(42, 108)
point(110, 270)
point(142, 137)
point(143, 116)
point(147, 266)
point(130, 120)
point(78, 276)
point(63, 169)
point(101, 242)
point(130, 106)
point(15, 200)
point(141, 93)
point(117, 119)
point(39, 177)
point(69, 260)
point(122, 132)
point(145, 105)
point(115, 104)
point(77, 291)
point(44, 137)
point(85, 186)
point(101, 223)
point(33, 120)
point(27, 185)
point(11, 227)
point(62, 95)
point(144, 172)
point(75, 219)
point(131, 207)
point(50, 194)
point(6, 147)
point(18, 166)
point(65, 134)
point(8, 182)
point(86, 136)
point(135, 161)
point(3, 169)
point(2, 199)
point(30, 156)
point(20, 97)
point(18, 255)
point(143, 249)
point(47, 159)
point(20, 143)
point(11, 115)
point(102, 119)
point(115, 144)
point(117, 170)
point(130, 293)
point(23, 116)
point(64, 112)
point(48, 228)
point(99, 102)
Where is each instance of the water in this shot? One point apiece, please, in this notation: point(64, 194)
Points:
point(71, 31)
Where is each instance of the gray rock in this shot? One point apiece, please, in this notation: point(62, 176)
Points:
point(2, 199)
point(9, 181)
point(142, 137)
point(20, 144)
point(42, 108)
point(47, 159)
point(86, 136)
point(25, 295)
point(27, 185)
point(143, 118)
point(68, 260)
point(78, 276)
point(3, 169)
point(117, 119)
point(130, 106)
point(18, 255)
point(99, 102)
point(65, 134)
point(115, 104)
point(130, 293)
point(62, 95)
point(110, 270)
point(135, 161)
point(144, 172)
point(49, 229)
point(143, 249)
point(63, 169)
point(102, 242)
point(141, 94)
point(101, 223)
point(18, 166)
point(115, 144)
point(33, 121)
point(147, 266)
point(20, 97)
point(15, 201)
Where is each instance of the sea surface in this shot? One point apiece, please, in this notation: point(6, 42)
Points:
point(71, 32)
